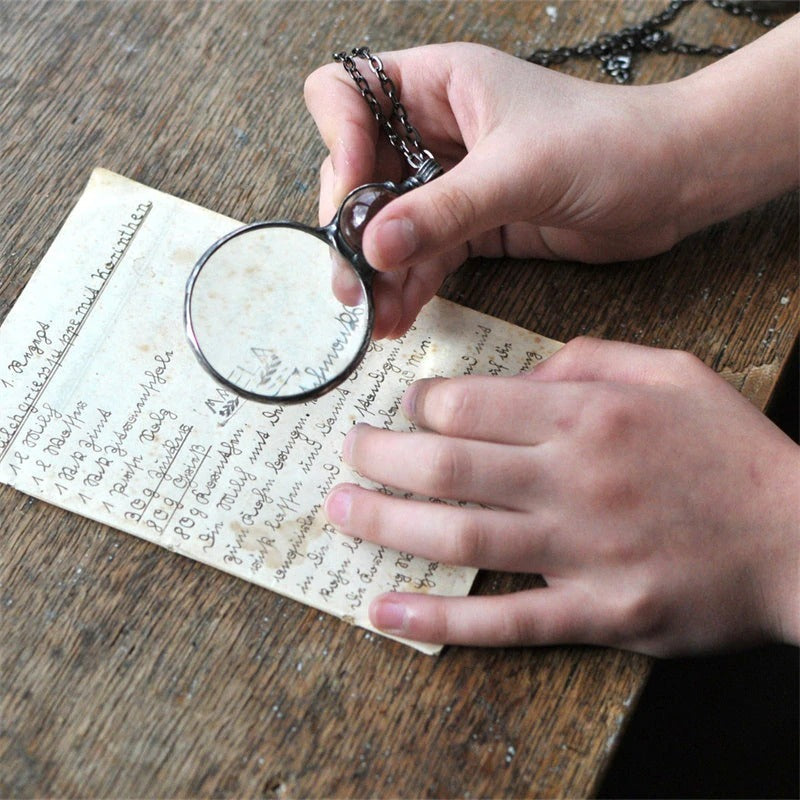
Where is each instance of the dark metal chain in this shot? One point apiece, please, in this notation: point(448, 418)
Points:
point(615, 51)
point(402, 134)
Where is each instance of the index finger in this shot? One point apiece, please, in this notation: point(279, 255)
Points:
point(495, 409)
point(346, 125)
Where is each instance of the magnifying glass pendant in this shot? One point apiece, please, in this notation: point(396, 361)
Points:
point(259, 310)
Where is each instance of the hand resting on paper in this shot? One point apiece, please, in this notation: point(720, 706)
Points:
point(660, 506)
point(543, 165)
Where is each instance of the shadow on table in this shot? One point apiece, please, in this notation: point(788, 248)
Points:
point(721, 726)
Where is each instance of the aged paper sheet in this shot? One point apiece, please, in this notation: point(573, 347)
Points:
point(105, 412)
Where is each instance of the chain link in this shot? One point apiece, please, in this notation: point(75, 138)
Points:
point(615, 51)
point(397, 126)
point(401, 133)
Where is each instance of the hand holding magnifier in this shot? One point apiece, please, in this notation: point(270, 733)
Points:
point(259, 310)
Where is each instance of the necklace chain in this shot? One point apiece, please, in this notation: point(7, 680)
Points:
point(398, 128)
point(615, 51)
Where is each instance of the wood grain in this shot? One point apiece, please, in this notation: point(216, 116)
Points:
point(129, 671)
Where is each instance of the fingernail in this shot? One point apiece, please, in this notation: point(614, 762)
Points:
point(389, 616)
point(347, 446)
point(349, 441)
point(337, 505)
point(408, 404)
point(397, 240)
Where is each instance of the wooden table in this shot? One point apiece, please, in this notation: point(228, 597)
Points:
point(130, 671)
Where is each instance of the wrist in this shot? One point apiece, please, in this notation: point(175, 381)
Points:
point(739, 122)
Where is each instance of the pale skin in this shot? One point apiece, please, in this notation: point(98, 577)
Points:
point(661, 507)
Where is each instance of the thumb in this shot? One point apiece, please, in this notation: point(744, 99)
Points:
point(474, 196)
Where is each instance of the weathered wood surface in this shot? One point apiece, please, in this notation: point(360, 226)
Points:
point(130, 671)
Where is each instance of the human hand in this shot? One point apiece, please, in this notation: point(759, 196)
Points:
point(539, 165)
point(543, 165)
point(662, 509)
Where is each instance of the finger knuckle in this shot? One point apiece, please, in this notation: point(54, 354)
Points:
point(311, 83)
point(613, 493)
point(516, 628)
point(455, 210)
point(366, 519)
point(539, 537)
point(684, 363)
point(468, 542)
point(639, 614)
point(437, 623)
point(614, 416)
point(446, 468)
point(579, 349)
point(573, 356)
point(450, 406)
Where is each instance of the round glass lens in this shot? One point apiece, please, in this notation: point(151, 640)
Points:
point(264, 317)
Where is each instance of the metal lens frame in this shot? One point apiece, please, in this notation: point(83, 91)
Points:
point(331, 236)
